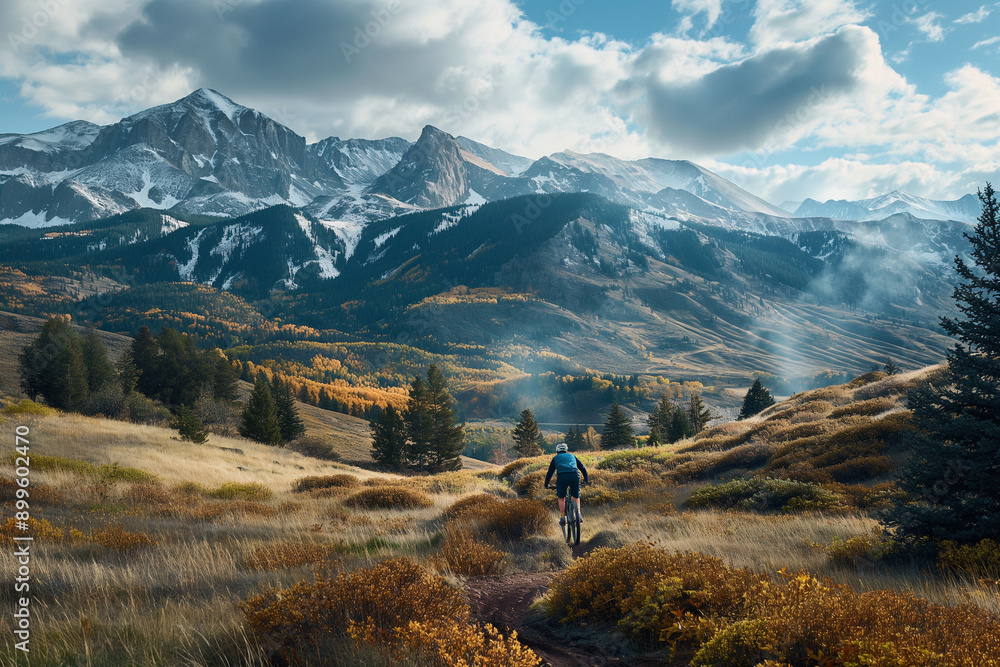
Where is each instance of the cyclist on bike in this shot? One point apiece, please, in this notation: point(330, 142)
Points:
point(569, 468)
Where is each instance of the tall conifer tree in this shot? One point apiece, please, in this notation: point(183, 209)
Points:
point(953, 470)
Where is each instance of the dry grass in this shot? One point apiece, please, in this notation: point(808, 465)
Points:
point(174, 600)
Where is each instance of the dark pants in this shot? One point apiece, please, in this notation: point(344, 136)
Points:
point(570, 480)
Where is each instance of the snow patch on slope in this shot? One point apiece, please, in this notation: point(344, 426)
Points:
point(324, 258)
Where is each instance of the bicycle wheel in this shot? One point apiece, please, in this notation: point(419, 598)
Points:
point(575, 528)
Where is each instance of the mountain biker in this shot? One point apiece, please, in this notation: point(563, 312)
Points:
point(569, 468)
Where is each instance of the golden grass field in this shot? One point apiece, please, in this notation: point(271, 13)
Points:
point(147, 547)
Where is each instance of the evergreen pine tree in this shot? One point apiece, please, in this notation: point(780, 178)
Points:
point(100, 372)
point(680, 426)
point(890, 367)
point(756, 399)
point(126, 372)
point(698, 414)
point(388, 438)
point(224, 380)
point(260, 416)
point(668, 423)
point(954, 466)
point(419, 425)
point(52, 367)
point(575, 440)
point(449, 436)
point(617, 429)
point(527, 435)
point(189, 425)
point(145, 354)
point(289, 421)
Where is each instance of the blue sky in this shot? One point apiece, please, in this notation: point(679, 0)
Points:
point(789, 98)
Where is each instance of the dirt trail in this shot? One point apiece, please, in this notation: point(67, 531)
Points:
point(504, 602)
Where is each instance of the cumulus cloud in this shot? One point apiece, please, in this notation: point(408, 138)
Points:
point(761, 99)
point(930, 26)
point(805, 77)
point(794, 20)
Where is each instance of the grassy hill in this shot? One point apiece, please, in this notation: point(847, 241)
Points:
point(155, 551)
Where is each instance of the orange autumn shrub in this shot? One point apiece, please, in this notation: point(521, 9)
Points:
point(732, 617)
point(114, 536)
point(449, 645)
point(395, 606)
point(388, 497)
point(470, 558)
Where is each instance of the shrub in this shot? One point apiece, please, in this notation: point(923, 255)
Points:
point(867, 378)
point(114, 536)
point(107, 472)
point(516, 519)
point(630, 480)
point(211, 511)
point(733, 617)
point(241, 491)
point(28, 407)
point(597, 495)
point(470, 558)
point(861, 468)
point(505, 520)
point(148, 495)
point(475, 504)
point(766, 494)
point(626, 460)
point(370, 604)
point(38, 494)
point(449, 644)
point(645, 590)
point(979, 560)
point(389, 497)
point(870, 407)
point(860, 549)
point(108, 401)
point(287, 555)
point(531, 484)
point(40, 529)
point(143, 410)
point(324, 482)
point(512, 467)
point(315, 447)
point(741, 644)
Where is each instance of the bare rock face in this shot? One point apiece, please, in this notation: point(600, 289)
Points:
point(432, 173)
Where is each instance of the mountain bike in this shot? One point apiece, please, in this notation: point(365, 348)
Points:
point(571, 529)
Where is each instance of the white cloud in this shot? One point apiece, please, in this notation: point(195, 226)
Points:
point(794, 20)
point(712, 9)
point(928, 24)
point(977, 16)
point(807, 79)
point(986, 42)
point(837, 178)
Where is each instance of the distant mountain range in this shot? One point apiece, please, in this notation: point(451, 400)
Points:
point(206, 154)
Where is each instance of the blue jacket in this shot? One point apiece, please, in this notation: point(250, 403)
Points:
point(565, 463)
